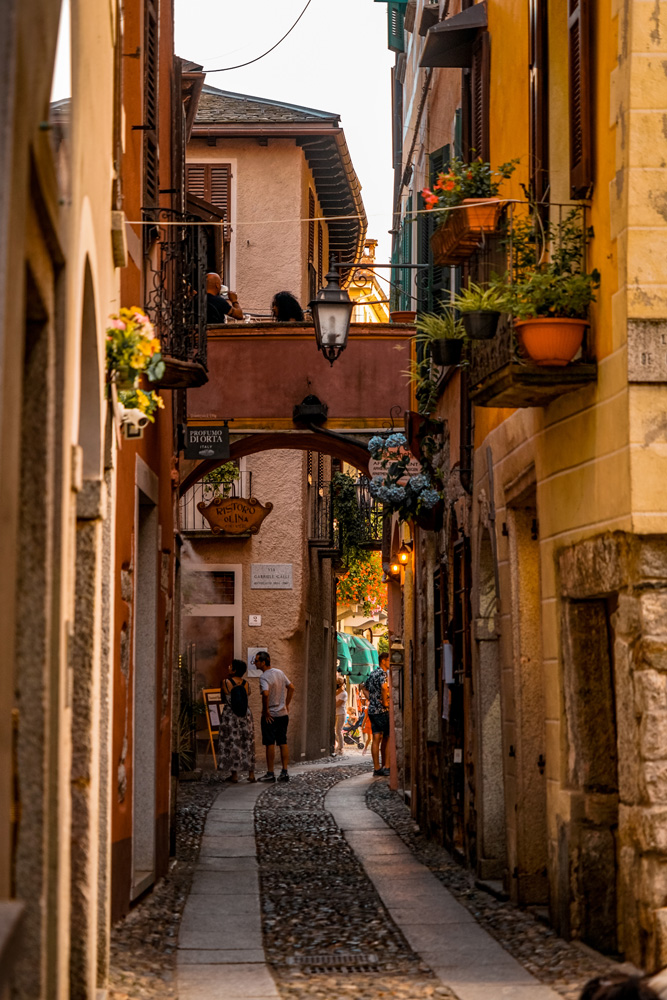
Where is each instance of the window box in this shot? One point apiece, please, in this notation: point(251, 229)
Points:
point(457, 239)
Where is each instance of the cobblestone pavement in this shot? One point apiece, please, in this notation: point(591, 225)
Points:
point(320, 908)
point(559, 964)
point(143, 945)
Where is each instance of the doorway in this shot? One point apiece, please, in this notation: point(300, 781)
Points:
point(145, 694)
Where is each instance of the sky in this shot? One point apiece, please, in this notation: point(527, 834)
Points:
point(336, 59)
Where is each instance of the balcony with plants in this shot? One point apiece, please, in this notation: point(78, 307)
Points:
point(225, 482)
point(520, 320)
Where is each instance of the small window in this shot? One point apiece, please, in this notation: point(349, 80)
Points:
point(215, 587)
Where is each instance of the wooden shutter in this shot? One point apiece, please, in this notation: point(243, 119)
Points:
point(581, 96)
point(480, 78)
point(406, 256)
point(150, 95)
point(539, 100)
point(395, 20)
point(311, 227)
point(320, 253)
point(212, 182)
point(438, 278)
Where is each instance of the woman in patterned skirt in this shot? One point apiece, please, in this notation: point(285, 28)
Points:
point(236, 740)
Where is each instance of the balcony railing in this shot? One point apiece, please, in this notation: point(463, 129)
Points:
point(190, 517)
point(323, 529)
point(499, 374)
point(176, 291)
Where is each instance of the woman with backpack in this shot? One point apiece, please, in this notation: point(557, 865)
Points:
point(236, 741)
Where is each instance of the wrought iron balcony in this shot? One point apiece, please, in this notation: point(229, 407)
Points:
point(191, 520)
point(323, 529)
point(176, 297)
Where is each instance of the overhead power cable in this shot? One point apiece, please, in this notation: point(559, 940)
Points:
point(226, 69)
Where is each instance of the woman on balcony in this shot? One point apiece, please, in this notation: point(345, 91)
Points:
point(286, 309)
point(236, 740)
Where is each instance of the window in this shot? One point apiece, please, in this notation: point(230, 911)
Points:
point(151, 167)
point(211, 182)
point(433, 284)
point(215, 587)
point(395, 18)
point(539, 100)
point(581, 97)
point(479, 95)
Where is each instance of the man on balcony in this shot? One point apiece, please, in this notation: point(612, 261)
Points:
point(217, 306)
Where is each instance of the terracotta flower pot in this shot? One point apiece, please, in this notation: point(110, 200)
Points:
point(403, 316)
point(457, 239)
point(550, 341)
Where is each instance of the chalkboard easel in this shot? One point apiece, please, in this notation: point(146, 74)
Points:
point(214, 705)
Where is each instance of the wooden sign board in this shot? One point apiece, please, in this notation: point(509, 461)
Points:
point(206, 442)
point(214, 706)
point(234, 515)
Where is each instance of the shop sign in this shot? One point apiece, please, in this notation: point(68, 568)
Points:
point(207, 442)
point(234, 515)
point(271, 576)
point(379, 468)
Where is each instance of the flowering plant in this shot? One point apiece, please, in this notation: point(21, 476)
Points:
point(361, 583)
point(462, 180)
point(137, 399)
point(408, 496)
point(132, 349)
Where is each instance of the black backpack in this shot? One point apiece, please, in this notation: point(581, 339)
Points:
point(238, 700)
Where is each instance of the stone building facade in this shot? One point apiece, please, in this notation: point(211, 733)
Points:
point(546, 575)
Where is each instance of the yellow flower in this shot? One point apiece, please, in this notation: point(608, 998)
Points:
point(145, 347)
point(138, 360)
point(155, 344)
point(160, 402)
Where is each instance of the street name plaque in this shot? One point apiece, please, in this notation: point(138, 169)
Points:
point(271, 576)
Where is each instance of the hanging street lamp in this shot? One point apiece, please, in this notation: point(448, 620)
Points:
point(331, 310)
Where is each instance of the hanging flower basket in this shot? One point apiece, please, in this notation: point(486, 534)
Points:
point(481, 324)
point(549, 340)
point(457, 239)
point(446, 352)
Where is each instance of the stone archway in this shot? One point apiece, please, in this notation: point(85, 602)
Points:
point(336, 446)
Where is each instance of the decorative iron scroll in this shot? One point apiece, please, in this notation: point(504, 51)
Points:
point(176, 291)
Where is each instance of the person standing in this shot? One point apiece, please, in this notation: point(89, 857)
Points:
point(277, 693)
point(377, 689)
point(236, 738)
point(341, 712)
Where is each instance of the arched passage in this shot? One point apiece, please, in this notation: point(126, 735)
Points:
point(337, 447)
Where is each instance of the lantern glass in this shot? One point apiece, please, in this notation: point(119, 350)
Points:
point(331, 310)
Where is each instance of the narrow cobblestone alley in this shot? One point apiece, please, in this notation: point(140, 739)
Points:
point(324, 888)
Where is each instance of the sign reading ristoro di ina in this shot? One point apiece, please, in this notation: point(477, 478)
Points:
point(271, 576)
point(234, 515)
point(207, 442)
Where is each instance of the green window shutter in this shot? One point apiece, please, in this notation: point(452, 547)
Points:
point(395, 18)
point(438, 281)
point(458, 132)
point(406, 256)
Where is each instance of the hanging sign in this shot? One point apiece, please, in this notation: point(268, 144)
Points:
point(234, 515)
point(379, 468)
point(207, 442)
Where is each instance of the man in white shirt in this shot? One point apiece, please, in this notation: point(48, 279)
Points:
point(277, 692)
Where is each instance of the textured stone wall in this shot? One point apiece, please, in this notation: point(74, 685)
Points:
point(605, 833)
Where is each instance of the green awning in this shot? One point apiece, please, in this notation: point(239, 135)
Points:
point(344, 653)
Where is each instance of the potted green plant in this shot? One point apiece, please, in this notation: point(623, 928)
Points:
point(444, 335)
point(466, 195)
point(481, 307)
point(132, 349)
point(550, 301)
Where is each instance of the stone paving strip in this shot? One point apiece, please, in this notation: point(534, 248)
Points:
point(463, 956)
point(220, 952)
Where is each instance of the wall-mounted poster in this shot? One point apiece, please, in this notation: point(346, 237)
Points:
point(254, 671)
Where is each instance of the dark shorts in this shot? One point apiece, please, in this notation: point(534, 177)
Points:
point(275, 732)
point(379, 723)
